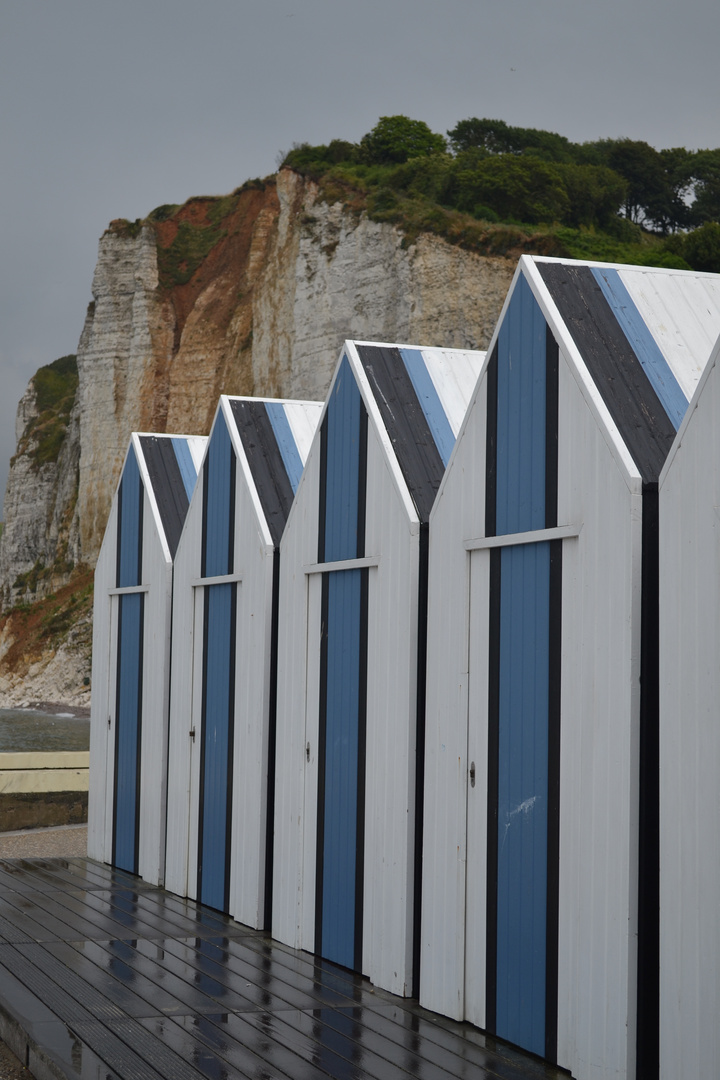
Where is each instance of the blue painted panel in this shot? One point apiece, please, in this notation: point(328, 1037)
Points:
point(523, 795)
point(217, 734)
point(521, 415)
point(219, 502)
point(343, 456)
point(129, 533)
point(128, 726)
point(430, 403)
point(188, 472)
point(286, 442)
point(341, 766)
point(643, 344)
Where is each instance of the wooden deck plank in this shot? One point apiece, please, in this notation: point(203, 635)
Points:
point(111, 978)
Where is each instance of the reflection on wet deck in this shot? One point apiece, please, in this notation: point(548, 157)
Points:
point(103, 977)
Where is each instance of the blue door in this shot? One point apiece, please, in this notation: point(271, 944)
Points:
point(343, 669)
point(523, 682)
point(218, 685)
point(129, 670)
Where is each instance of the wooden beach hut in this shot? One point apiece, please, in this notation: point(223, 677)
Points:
point(131, 653)
point(352, 656)
point(690, 739)
point(222, 726)
point(540, 880)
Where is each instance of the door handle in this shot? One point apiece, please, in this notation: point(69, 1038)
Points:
point(472, 774)
point(191, 733)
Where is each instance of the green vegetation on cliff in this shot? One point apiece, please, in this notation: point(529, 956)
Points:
point(495, 189)
point(55, 387)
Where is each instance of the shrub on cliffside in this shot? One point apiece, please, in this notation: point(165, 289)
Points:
point(55, 387)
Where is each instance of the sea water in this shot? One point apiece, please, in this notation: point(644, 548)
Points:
point(32, 730)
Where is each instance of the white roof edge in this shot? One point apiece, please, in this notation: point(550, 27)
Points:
point(621, 266)
point(273, 400)
point(690, 411)
point(167, 435)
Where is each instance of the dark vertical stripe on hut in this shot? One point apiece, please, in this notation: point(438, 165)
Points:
point(422, 439)
point(491, 446)
point(648, 999)
point(218, 689)
point(343, 675)
point(129, 677)
point(648, 432)
point(266, 461)
point(523, 702)
point(406, 424)
point(272, 739)
point(634, 406)
point(168, 486)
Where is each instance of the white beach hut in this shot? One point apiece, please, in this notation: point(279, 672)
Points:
point(690, 740)
point(352, 656)
point(540, 879)
point(222, 727)
point(131, 653)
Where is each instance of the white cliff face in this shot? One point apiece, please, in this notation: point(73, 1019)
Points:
point(39, 499)
point(337, 275)
point(122, 344)
point(266, 314)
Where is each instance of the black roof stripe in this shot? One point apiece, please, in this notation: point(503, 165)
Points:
point(405, 421)
point(632, 402)
point(266, 463)
point(168, 487)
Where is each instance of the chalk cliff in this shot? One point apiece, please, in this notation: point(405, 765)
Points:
point(251, 293)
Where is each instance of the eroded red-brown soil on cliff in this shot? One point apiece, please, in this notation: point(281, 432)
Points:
point(229, 256)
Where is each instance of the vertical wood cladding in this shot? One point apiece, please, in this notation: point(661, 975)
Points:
point(523, 702)
point(343, 676)
point(129, 670)
point(218, 690)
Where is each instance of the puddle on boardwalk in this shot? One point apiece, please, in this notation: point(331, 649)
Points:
point(31, 730)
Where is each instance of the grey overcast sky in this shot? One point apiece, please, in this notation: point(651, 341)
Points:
point(112, 107)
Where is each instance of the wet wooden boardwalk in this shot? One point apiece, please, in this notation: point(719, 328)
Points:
point(103, 977)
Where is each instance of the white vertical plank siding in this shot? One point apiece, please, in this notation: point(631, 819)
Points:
point(99, 831)
point(391, 724)
point(157, 573)
point(599, 492)
point(185, 689)
point(600, 694)
point(690, 742)
point(290, 923)
point(254, 561)
point(458, 513)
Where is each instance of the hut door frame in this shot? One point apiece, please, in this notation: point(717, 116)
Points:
point(111, 711)
point(476, 790)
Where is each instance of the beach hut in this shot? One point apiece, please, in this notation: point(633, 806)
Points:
point(690, 740)
point(540, 880)
point(131, 653)
point(222, 726)
point(352, 657)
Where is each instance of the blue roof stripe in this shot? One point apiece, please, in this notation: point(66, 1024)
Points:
point(188, 472)
point(430, 403)
point(286, 442)
point(643, 344)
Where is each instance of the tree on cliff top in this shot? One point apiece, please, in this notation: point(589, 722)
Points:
point(396, 139)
